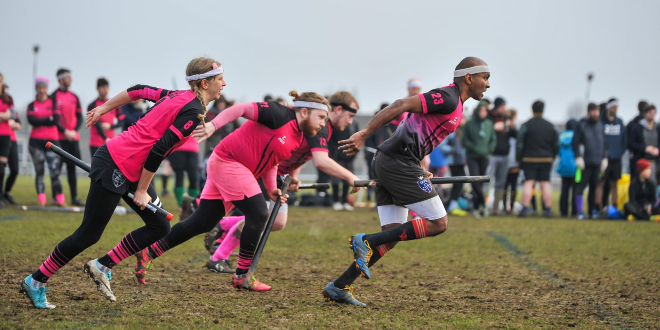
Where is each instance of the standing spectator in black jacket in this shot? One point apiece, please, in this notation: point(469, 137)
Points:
point(537, 146)
point(642, 192)
point(641, 106)
point(590, 134)
point(645, 140)
point(616, 139)
point(499, 161)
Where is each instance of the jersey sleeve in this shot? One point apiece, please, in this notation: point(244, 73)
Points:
point(439, 101)
point(274, 115)
point(183, 126)
point(148, 93)
point(319, 142)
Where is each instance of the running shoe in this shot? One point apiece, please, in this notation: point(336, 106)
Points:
point(9, 198)
point(187, 207)
point(525, 212)
point(77, 202)
point(37, 296)
point(337, 206)
point(220, 266)
point(362, 253)
point(348, 207)
point(458, 212)
point(212, 237)
point(100, 278)
point(142, 265)
point(255, 285)
point(344, 296)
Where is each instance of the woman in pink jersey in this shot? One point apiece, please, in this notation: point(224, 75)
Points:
point(128, 162)
point(104, 129)
point(186, 160)
point(8, 148)
point(253, 151)
point(44, 118)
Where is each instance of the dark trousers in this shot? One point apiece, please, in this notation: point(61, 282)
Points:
point(590, 179)
point(568, 187)
point(456, 170)
point(477, 166)
point(12, 162)
point(638, 211)
point(511, 187)
point(73, 148)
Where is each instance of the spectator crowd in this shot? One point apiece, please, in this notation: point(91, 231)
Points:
point(589, 155)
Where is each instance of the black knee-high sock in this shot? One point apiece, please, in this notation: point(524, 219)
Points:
point(352, 273)
point(408, 231)
point(249, 240)
point(2, 176)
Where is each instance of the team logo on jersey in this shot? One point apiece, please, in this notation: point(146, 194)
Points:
point(453, 121)
point(425, 185)
point(282, 139)
point(118, 178)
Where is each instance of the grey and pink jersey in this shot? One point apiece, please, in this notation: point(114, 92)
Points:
point(167, 125)
point(419, 133)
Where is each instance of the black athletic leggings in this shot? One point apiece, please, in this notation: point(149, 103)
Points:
point(207, 215)
point(477, 167)
point(100, 206)
point(73, 148)
point(511, 187)
point(41, 156)
point(185, 162)
point(456, 170)
point(568, 189)
point(12, 161)
point(590, 179)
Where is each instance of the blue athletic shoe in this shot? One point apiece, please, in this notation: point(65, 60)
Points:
point(362, 253)
point(37, 296)
point(344, 296)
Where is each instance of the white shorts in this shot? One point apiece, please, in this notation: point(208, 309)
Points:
point(430, 209)
point(284, 208)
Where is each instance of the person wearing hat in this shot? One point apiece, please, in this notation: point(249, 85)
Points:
point(642, 192)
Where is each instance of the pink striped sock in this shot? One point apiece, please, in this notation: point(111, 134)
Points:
point(228, 222)
point(244, 260)
point(157, 249)
point(228, 244)
point(126, 248)
point(55, 261)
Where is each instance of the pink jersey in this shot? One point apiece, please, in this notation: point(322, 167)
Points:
point(303, 154)
point(190, 145)
point(95, 138)
point(12, 134)
point(70, 109)
point(261, 144)
point(167, 125)
point(419, 133)
point(4, 125)
point(44, 118)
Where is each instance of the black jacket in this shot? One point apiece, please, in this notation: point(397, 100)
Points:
point(642, 193)
point(502, 145)
point(538, 141)
point(637, 145)
point(592, 136)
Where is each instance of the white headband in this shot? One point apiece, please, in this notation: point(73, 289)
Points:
point(613, 103)
point(471, 70)
point(415, 83)
point(313, 105)
point(211, 73)
point(64, 75)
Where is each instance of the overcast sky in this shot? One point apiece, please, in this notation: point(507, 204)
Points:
point(536, 49)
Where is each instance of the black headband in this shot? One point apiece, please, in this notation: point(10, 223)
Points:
point(344, 106)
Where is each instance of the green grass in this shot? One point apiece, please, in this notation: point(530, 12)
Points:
point(494, 273)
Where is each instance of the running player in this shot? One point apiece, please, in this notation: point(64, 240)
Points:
point(70, 121)
point(44, 118)
point(344, 108)
point(104, 129)
point(270, 135)
point(402, 183)
point(128, 162)
point(9, 123)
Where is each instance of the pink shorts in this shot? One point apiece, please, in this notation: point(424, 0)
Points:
point(228, 181)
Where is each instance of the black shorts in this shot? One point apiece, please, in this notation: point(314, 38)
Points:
point(104, 169)
point(613, 171)
point(400, 182)
point(5, 145)
point(536, 171)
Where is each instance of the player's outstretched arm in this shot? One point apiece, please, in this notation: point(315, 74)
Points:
point(331, 167)
point(115, 102)
point(393, 111)
point(245, 110)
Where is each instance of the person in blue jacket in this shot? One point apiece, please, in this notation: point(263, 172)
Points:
point(566, 170)
point(616, 140)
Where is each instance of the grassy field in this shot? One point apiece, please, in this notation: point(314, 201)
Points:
point(494, 273)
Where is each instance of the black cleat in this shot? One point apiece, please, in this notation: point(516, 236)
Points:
point(9, 199)
point(220, 266)
point(77, 202)
point(210, 239)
